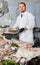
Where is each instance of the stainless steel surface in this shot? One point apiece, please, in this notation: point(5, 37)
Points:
point(4, 28)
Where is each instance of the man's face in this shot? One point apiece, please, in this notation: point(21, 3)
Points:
point(22, 8)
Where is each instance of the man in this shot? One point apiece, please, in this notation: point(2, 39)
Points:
point(25, 20)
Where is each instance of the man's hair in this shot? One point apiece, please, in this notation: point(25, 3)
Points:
point(23, 3)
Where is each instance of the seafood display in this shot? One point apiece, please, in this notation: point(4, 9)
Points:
point(7, 48)
point(16, 50)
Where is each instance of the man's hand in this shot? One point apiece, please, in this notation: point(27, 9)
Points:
point(25, 28)
point(22, 29)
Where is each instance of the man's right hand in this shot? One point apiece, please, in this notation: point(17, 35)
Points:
point(21, 30)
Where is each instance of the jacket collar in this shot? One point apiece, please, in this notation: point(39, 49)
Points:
point(24, 13)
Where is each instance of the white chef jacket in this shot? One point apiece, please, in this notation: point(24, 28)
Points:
point(28, 20)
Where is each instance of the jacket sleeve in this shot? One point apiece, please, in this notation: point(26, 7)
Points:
point(31, 22)
point(16, 24)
